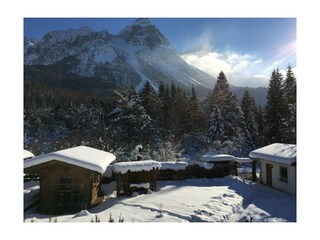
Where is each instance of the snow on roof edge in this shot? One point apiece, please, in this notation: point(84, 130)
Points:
point(27, 154)
point(276, 152)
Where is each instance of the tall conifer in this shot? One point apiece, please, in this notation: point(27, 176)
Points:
point(275, 109)
point(150, 101)
point(249, 114)
point(224, 105)
point(290, 99)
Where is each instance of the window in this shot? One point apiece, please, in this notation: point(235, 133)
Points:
point(65, 182)
point(283, 174)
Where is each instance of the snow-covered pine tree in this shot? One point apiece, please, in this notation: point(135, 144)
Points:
point(221, 92)
point(249, 114)
point(164, 96)
point(216, 125)
point(242, 142)
point(246, 104)
point(290, 109)
point(195, 116)
point(226, 102)
point(151, 102)
point(261, 126)
point(179, 112)
point(128, 121)
point(275, 109)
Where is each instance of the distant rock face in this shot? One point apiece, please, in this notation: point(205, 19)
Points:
point(139, 53)
point(143, 33)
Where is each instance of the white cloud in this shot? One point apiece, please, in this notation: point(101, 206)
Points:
point(210, 62)
point(276, 65)
point(236, 66)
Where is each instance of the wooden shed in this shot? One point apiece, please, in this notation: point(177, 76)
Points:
point(136, 174)
point(70, 178)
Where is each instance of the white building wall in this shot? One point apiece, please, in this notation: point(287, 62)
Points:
point(289, 187)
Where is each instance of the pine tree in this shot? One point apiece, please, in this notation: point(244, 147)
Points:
point(216, 126)
point(252, 128)
point(128, 121)
point(178, 112)
point(242, 139)
point(261, 126)
point(222, 95)
point(290, 92)
point(275, 109)
point(249, 113)
point(246, 104)
point(223, 100)
point(161, 92)
point(164, 96)
point(195, 116)
point(151, 102)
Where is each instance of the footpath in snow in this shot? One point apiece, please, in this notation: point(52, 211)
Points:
point(227, 199)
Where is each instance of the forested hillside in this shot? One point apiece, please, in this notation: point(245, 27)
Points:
point(166, 122)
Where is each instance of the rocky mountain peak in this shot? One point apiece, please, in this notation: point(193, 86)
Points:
point(143, 32)
point(143, 22)
point(66, 35)
point(138, 54)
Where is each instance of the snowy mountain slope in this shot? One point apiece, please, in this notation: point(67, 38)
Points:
point(137, 54)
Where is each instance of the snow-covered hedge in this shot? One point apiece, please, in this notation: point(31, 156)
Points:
point(204, 165)
point(176, 166)
point(214, 157)
point(137, 166)
point(140, 185)
point(242, 160)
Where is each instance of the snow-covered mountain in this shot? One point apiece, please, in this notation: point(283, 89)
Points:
point(139, 53)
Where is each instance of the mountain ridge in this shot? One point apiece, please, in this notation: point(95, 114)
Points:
point(138, 53)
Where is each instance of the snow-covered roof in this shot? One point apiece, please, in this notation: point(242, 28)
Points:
point(27, 154)
point(205, 165)
point(81, 156)
point(242, 160)
point(173, 165)
point(276, 152)
point(137, 166)
point(214, 157)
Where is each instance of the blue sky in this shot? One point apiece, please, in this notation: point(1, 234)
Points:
point(246, 49)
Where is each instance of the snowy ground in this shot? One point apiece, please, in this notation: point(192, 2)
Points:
point(226, 199)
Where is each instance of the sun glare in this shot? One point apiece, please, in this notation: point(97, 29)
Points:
point(287, 51)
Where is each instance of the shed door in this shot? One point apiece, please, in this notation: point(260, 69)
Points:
point(269, 174)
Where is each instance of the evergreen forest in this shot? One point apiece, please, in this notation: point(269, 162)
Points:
point(171, 123)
